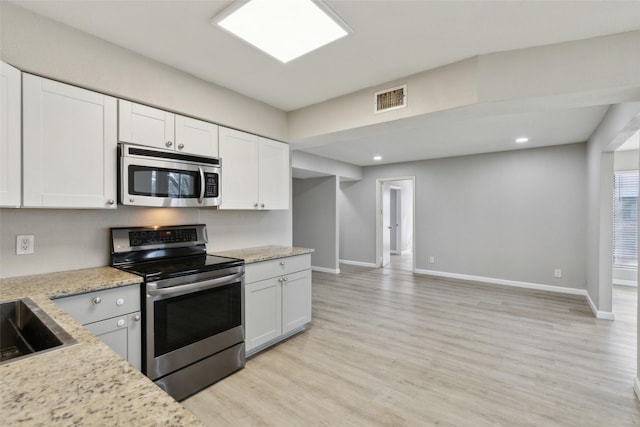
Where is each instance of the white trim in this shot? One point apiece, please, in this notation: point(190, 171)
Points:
point(599, 314)
point(623, 282)
point(325, 270)
point(636, 387)
point(358, 263)
point(526, 285)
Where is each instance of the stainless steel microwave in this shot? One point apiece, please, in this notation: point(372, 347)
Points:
point(163, 178)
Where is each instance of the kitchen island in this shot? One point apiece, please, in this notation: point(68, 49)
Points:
point(86, 383)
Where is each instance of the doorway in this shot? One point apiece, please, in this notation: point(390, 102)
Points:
point(395, 223)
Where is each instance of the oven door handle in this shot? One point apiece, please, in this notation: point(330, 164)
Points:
point(202, 185)
point(198, 286)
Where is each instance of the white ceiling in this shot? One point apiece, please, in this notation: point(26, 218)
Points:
point(391, 39)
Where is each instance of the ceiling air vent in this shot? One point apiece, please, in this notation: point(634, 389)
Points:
point(390, 99)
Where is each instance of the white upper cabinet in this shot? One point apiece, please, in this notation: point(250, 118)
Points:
point(196, 136)
point(69, 146)
point(140, 124)
point(255, 171)
point(239, 184)
point(274, 172)
point(10, 136)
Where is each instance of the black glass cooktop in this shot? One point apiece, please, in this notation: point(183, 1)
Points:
point(174, 267)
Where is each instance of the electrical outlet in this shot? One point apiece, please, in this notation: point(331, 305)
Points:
point(557, 273)
point(432, 260)
point(25, 244)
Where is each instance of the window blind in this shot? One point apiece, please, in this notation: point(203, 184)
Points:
point(625, 220)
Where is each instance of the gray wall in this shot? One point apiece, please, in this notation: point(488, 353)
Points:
point(315, 219)
point(514, 215)
point(70, 239)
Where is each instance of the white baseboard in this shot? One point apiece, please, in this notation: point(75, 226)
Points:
point(636, 386)
point(623, 282)
point(526, 285)
point(358, 263)
point(599, 314)
point(326, 270)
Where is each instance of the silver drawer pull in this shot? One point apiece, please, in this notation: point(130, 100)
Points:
point(121, 323)
point(119, 301)
point(282, 263)
point(136, 317)
point(96, 300)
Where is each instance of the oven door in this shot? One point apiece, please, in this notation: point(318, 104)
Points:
point(190, 321)
point(149, 181)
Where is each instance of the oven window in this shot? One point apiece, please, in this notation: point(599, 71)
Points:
point(186, 319)
point(159, 182)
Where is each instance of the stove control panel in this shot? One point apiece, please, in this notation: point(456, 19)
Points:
point(145, 238)
point(154, 237)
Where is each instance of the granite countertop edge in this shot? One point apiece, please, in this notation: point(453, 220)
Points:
point(263, 253)
point(84, 383)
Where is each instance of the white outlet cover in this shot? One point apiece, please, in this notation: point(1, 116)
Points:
point(25, 244)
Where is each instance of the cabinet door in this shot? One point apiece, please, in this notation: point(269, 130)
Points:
point(196, 136)
point(263, 312)
point(296, 300)
point(123, 335)
point(139, 124)
point(10, 136)
point(239, 184)
point(274, 168)
point(69, 146)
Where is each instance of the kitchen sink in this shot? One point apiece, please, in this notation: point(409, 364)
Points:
point(25, 330)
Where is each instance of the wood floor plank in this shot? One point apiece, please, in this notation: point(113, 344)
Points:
point(391, 348)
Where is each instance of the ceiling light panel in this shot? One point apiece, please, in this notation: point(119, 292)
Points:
point(284, 29)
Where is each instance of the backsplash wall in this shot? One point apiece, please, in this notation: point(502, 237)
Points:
point(72, 239)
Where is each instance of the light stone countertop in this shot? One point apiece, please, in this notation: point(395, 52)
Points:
point(264, 253)
point(86, 383)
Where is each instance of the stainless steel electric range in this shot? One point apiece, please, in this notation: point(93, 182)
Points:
point(193, 309)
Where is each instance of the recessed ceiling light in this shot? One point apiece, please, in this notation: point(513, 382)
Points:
point(522, 140)
point(377, 158)
point(284, 29)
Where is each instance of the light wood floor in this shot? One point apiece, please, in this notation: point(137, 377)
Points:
point(388, 347)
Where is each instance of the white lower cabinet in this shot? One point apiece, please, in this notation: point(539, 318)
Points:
point(277, 300)
point(113, 315)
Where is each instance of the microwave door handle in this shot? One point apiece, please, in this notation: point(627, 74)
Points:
point(198, 286)
point(202, 185)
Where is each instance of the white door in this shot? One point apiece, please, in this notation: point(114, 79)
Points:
point(296, 300)
point(386, 224)
point(239, 183)
point(10, 136)
point(273, 172)
point(263, 310)
point(139, 124)
point(395, 220)
point(196, 136)
point(69, 146)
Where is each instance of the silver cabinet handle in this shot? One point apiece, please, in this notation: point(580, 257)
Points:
point(111, 201)
point(262, 205)
point(285, 279)
point(180, 146)
point(280, 280)
point(136, 317)
point(168, 144)
point(119, 301)
point(96, 300)
point(282, 263)
point(121, 323)
point(255, 205)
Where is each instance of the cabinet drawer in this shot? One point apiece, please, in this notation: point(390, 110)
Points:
point(276, 267)
point(95, 306)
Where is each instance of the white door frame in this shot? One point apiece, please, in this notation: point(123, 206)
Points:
point(379, 182)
